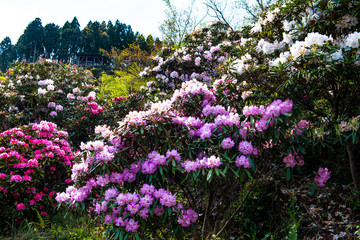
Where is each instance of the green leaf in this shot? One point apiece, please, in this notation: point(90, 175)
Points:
point(288, 174)
point(302, 150)
point(312, 189)
point(235, 173)
point(137, 236)
point(117, 234)
point(354, 137)
point(217, 172)
point(208, 178)
point(169, 211)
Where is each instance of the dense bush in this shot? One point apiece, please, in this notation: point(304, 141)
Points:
point(35, 161)
point(45, 90)
point(169, 167)
point(309, 51)
point(259, 117)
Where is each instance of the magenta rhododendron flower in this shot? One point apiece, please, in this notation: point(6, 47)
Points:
point(20, 207)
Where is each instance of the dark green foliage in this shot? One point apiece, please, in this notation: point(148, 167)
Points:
point(7, 53)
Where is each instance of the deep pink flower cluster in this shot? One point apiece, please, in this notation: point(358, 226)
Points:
point(187, 217)
point(119, 99)
point(29, 158)
point(94, 108)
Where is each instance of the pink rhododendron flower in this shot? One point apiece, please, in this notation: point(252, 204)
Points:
point(242, 161)
point(227, 143)
point(20, 206)
point(324, 175)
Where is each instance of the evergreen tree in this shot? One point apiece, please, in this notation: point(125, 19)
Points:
point(69, 41)
point(150, 43)
point(111, 33)
point(30, 44)
point(75, 38)
point(140, 41)
point(7, 54)
point(51, 39)
point(65, 36)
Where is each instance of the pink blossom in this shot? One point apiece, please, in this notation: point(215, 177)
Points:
point(132, 225)
point(16, 178)
point(247, 148)
point(20, 206)
point(242, 161)
point(324, 175)
point(227, 143)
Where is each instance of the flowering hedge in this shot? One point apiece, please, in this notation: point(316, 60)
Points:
point(167, 168)
point(63, 94)
point(35, 161)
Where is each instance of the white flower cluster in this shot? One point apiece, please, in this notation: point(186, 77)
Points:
point(270, 16)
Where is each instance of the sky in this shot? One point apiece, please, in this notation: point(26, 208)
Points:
point(144, 16)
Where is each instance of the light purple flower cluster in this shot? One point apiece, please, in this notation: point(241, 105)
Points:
point(227, 143)
point(324, 176)
point(275, 109)
point(206, 162)
point(246, 148)
point(242, 161)
point(214, 110)
point(187, 217)
point(293, 159)
point(152, 162)
point(133, 205)
point(191, 88)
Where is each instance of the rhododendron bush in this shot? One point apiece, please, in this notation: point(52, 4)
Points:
point(167, 169)
point(309, 51)
point(63, 94)
point(35, 161)
point(203, 52)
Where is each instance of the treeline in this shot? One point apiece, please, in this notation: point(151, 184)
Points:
point(63, 43)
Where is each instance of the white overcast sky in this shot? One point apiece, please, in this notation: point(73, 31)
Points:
point(144, 16)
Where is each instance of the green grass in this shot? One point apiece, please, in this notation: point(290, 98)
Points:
point(61, 226)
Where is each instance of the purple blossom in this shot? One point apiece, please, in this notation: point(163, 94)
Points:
point(111, 193)
point(247, 148)
point(227, 143)
point(324, 175)
point(242, 161)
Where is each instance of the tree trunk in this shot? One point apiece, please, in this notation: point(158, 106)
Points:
point(353, 153)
